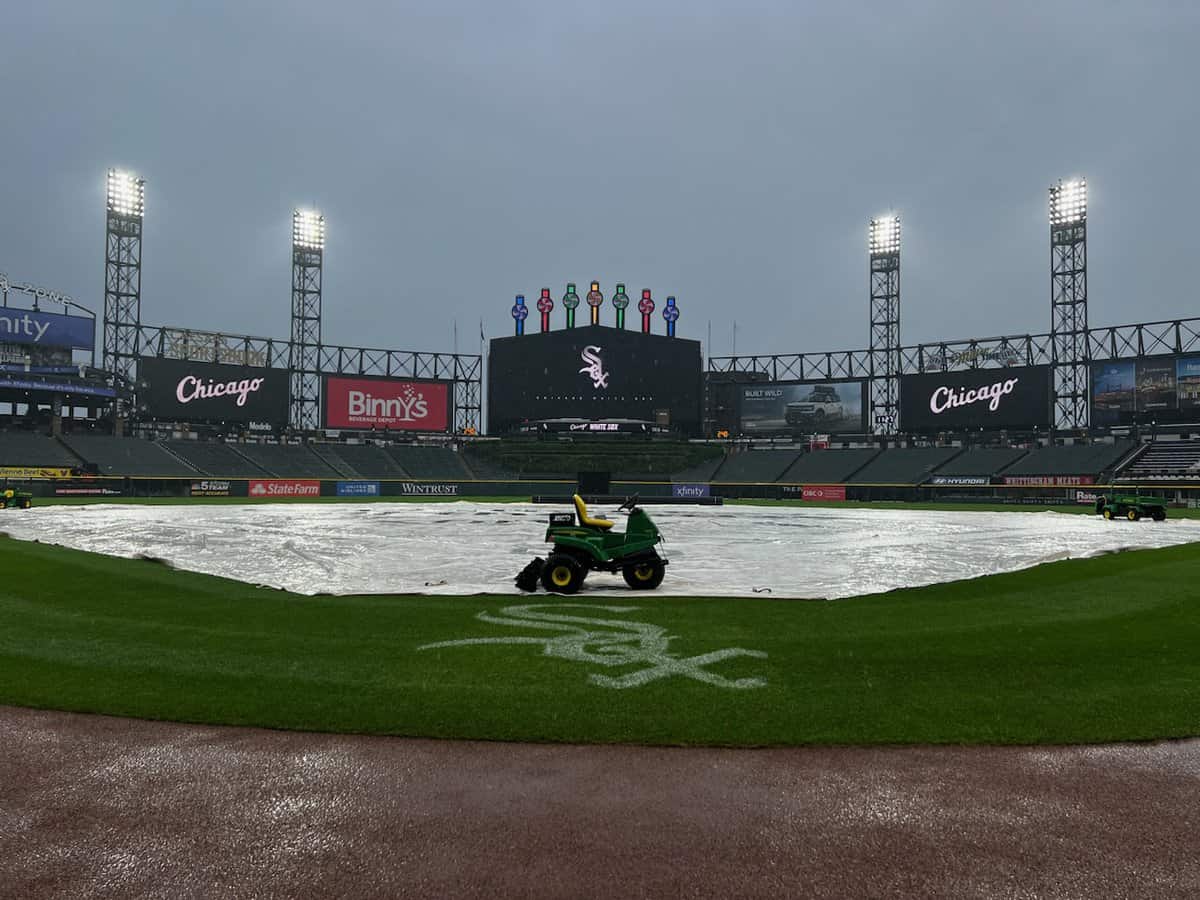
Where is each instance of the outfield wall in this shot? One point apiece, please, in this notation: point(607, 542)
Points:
point(1055, 491)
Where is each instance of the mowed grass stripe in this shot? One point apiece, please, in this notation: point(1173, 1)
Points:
point(1083, 650)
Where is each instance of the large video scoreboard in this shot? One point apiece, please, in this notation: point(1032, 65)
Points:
point(594, 372)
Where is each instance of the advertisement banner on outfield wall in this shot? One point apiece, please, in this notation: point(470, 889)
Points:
point(358, 489)
point(1157, 388)
point(1017, 398)
point(690, 490)
point(379, 404)
point(212, 488)
point(174, 390)
point(268, 488)
point(1048, 480)
point(823, 492)
point(803, 407)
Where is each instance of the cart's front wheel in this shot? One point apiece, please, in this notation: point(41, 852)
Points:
point(1133, 515)
point(562, 574)
point(1107, 512)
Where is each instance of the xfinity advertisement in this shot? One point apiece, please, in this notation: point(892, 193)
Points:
point(1160, 389)
point(173, 390)
point(1017, 398)
point(594, 373)
point(386, 404)
point(43, 329)
point(828, 407)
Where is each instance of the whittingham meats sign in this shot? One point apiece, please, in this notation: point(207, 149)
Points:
point(1017, 398)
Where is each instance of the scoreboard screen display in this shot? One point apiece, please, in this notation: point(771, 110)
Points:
point(594, 372)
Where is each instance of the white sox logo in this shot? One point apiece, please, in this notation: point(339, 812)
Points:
point(594, 367)
point(609, 643)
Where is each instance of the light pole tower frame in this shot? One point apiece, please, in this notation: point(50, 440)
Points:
point(1068, 302)
point(308, 262)
point(124, 212)
point(884, 251)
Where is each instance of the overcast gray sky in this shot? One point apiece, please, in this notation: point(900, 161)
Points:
point(729, 154)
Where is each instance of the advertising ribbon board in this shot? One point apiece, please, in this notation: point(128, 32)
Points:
point(1048, 480)
point(211, 488)
point(690, 490)
point(285, 487)
point(365, 404)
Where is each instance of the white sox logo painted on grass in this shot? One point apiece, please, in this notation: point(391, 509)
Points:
point(609, 643)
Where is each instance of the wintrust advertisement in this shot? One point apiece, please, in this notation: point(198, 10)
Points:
point(284, 487)
point(1016, 398)
point(176, 390)
point(363, 404)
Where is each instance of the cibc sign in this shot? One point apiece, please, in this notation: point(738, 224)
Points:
point(1017, 398)
point(363, 404)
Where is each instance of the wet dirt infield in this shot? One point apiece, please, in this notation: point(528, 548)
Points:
point(92, 806)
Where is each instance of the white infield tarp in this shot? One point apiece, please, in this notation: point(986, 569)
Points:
point(463, 547)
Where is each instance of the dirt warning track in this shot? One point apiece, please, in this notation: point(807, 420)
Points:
point(99, 806)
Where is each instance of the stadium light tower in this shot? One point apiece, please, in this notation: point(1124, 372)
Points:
point(123, 274)
point(308, 259)
point(883, 245)
point(1068, 302)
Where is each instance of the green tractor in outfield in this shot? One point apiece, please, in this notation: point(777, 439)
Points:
point(15, 499)
point(1131, 507)
point(590, 544)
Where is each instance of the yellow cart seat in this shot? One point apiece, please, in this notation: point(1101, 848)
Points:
point(585, 519)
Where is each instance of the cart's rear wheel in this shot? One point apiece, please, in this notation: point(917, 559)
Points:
point(1133, 515)
point(1108, 512)
point(562, 574)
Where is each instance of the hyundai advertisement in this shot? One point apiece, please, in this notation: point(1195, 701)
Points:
point(174, 390)
point(594, 373)
point(825, 407)
point(1159, 389)
point(1018, 398)
point(386, 404)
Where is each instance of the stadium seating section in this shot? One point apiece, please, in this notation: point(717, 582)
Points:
point(903, 465)
point(287, 460)
point(827, 466)
point(214, 458)
point(127, 456)
point(981, 461)
point(1075, 459)
point(755, 466)
point(429, 462)
point(23, 448)
point(1165, 461)
point(360, 460)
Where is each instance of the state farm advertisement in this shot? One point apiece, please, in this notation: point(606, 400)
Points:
point(285, 487)
point(362, 404)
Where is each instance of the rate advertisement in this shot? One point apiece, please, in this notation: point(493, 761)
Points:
point(830, 407)
point(1017, 398)
point(365, 404)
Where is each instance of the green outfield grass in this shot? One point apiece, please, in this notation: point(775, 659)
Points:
point(1086, 650)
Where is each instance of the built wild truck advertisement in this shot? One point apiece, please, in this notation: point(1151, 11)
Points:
point(828, 407)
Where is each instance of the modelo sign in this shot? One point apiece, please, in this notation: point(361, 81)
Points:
point(362, 404)
point(178, 391)
point(1016, 398)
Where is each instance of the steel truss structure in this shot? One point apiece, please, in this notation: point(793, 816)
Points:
point(123, 275)
point(465, 370)
point(884, 255)
point(1068, 302)
point(308, 255)
point(1113, 342)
